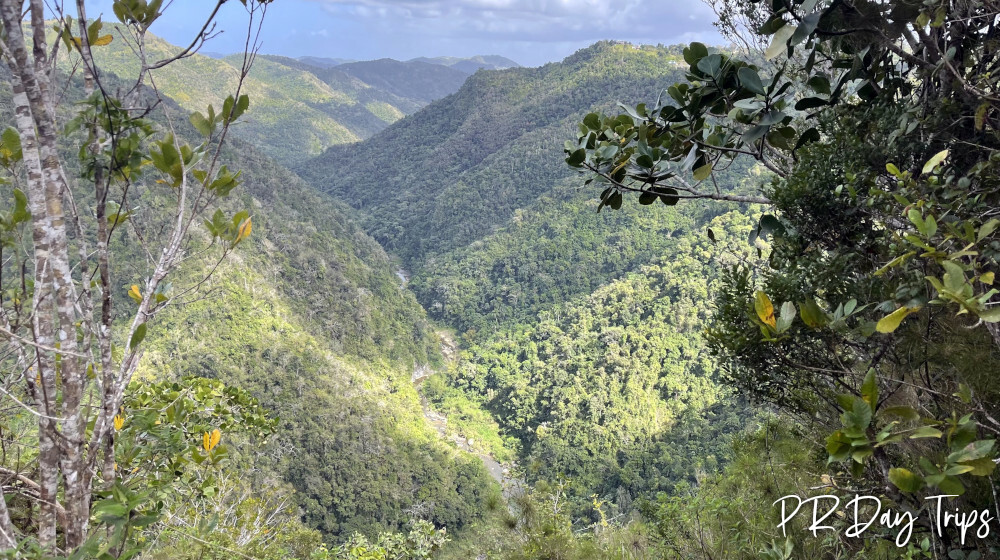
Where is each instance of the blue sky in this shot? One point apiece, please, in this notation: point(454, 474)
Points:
point(532, 32)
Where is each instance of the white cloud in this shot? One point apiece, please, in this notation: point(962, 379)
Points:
point(536, 20)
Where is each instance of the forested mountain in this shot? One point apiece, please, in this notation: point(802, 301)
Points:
point(486, 151)
point(324, 62)
point(471, 64)
point(417, 80)
point(582, 329)
point(482, 207)
point(299, 109)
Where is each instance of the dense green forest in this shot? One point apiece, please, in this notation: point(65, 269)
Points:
point(299, 109)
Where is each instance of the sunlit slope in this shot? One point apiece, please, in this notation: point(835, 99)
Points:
point(293, 114)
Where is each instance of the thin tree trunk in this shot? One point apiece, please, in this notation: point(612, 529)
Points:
point(43, 331)
point(8, 539)
point(54, 315)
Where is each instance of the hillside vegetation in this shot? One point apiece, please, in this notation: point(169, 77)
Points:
point(296, 113)
point(581, 330)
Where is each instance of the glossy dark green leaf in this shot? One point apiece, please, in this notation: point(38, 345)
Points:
point(750, 80)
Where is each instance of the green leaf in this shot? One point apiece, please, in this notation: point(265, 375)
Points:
point(975, 450)
point(710, 64)
point(750, 80)
point(703, 172)
point(787, 316)
point(904, 412)
point(812, 314)
point(615, 201)
point(806, 27)
point(810, 103)
point(137, 336)
point(934, 161)
point(981, 467)
point(811, 135)
point(755, 133)
point(951, 485)
point(838, 446)
point(905, 480)
point(695, 52)
point(21, 212)
point(869, 389)
point(576, 158)
point(11, 142)
point(991, 315)
point(769, 224)
point(964, 393)
point(986, 229)
point(819, 84)
point(954, 277)
point(858, 418)
point(241, 106)
point(668, 196)
point(926, 432)
point(201, 124)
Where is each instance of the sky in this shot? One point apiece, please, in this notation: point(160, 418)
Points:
point(531, 32)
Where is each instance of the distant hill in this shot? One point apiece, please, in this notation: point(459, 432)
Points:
point(416, 80)
point(472, 64)
point(296, 109)
point(322, 62)
point(499, 139)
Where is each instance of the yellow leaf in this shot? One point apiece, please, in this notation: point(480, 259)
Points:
point(987, 278)
point(100, 42)
point(891, 322)
point(935, 161)
point(765, 310)
point(210, 440)
point(119, 422)
point(245, 230)
point(135, 294)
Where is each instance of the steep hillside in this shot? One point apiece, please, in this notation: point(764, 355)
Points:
point(474, 194)
point(615, 389)
point(293, 112)
point(308, 316)
point(582, 331)
point(457, 170)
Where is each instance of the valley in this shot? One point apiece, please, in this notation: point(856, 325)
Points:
point(613, 306)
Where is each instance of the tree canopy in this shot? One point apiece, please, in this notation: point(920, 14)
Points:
point(872, 307)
